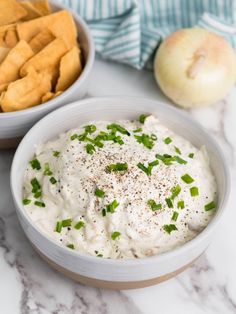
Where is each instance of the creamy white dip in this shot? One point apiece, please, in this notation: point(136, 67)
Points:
point(153, 209)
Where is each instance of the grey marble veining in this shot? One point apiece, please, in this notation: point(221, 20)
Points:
point(28, 285)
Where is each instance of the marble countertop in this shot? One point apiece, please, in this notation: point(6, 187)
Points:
point(28, 285)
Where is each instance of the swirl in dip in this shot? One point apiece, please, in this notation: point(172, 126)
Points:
point(127, 189)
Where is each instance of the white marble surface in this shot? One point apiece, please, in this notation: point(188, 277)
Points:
point(28, 285)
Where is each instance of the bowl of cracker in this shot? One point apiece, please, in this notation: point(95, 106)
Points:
point(46, 58)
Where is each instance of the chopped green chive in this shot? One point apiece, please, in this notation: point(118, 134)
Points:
point(210, 206)
point(39, 204)
point(38, 194)
point(167, 140)
point(118, 140)
point(147, 170)
point(112, 206)
point(138, 130)
point(117, 167)
point(180, 160)
point(194, 191)
point(191, 155)
point(177, 150)
point(98, 254)
point(180, 204)
point(153, 163)
point(153, 137)
point(175, 191)
point(118, 128)
point(115, 235)
point(103, 136)
point(169, 202)
point(73, 137)
point(47, 170)
point(175, 216)
point(99, 193)
point(90, 149)
point(66, 222)
point(63, 223)
point(145, 139)
point(53, 180)
point(142, 118)
point(166, 159)
point(170, 228)
point(56, 153)
point(98, 144)
point(26, 201)
point(82, 137)
point(187, 178)
point(35, 164)
point(71, 246)
point(35, 185)
point(80, 224)
point(58, 226)
point(154, 206)
point(90, 128)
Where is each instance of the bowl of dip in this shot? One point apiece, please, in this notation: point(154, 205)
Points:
point(14, 125)
point(119, 192)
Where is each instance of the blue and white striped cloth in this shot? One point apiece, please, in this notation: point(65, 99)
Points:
point(129, 31)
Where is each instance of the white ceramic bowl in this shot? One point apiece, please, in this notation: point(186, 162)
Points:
point(117, 274)
point(13, 125)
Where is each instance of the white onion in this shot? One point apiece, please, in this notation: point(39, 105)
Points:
point(195, 67)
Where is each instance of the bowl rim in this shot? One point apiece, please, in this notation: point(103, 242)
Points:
point(50, 104)
point(124, 262)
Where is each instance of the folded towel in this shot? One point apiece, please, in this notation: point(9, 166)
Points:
point(129, 31)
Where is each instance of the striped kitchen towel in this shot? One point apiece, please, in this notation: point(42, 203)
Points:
point(129, 31)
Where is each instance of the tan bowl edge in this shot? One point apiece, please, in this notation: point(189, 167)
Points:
point(9, 142)
point(118, 285)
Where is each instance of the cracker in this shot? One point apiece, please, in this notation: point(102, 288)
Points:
point(41, 40)
point(5, 28)
point(11, 38)
point(3, 87)
point(2, 41)
point(9, 68)
point(54, 72)
point(26, 92)
point(42, 6)
point(32, 12)
point(70, 69)
point(61, 24)
point(48, 57)
point(49, 95)
point(11, 11)
point(3, 53)
point(3, 31)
